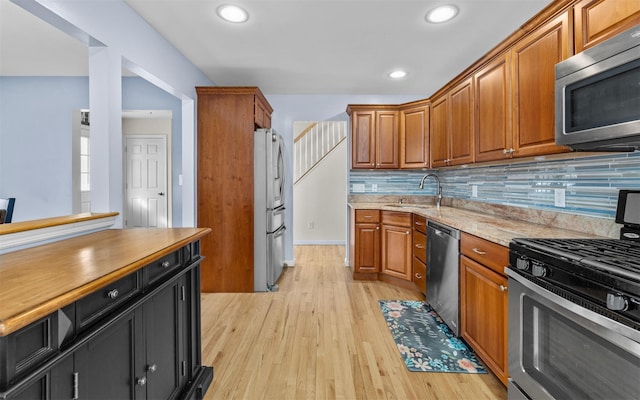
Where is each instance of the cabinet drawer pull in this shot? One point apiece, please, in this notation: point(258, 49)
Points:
point(418, 223)
point(142, 381)
point(418, 275)
point(166, 264)
point(503, 288)
point(406, 233)
point(368, 216)
point(481, 252)
point(152, 368)
point(112, 294)
point(419, 246)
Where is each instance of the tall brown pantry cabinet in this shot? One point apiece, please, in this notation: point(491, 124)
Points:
point(227, 119)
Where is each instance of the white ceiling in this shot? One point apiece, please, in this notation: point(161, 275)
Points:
point(295, 46)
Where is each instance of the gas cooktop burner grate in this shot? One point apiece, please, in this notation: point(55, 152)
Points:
point(615, 256)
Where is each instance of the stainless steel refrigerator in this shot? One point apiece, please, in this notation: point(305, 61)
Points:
point(268, 192)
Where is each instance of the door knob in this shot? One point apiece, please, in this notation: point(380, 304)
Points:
point(161, 194)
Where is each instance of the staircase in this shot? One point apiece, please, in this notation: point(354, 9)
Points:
point(314, 140)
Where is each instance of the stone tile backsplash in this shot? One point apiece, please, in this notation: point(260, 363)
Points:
point(590, 183)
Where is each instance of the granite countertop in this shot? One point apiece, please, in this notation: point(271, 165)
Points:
point(494, 228)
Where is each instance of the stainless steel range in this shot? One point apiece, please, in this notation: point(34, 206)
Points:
point(574, 318)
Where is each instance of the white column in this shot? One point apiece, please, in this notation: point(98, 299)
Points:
point(189, 137)
point(105, 104)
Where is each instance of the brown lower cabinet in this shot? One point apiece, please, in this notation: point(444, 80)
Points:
point(382, 248)
point(484, 301)
point(419, 276)
point(365, 246)
point(396, 250)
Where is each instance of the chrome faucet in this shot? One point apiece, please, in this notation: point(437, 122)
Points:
point(439, 189)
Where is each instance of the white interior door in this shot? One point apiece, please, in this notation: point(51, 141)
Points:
point(146, 183)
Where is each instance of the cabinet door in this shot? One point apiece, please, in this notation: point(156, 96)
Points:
point(461, 124)
point(363, 141)
point(438, 135)
point(397, 251)
point(483, 314)
point(165, 334)
point(598, 20)
point(414, 138)
point(111, 365)
point(534, 59)
point(493, 116)
point(387, 139)
point(367, 248)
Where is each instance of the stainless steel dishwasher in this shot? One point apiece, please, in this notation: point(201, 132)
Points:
point(443, 250)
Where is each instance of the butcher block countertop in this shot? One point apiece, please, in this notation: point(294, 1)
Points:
point(40, 280)
point(494, 228)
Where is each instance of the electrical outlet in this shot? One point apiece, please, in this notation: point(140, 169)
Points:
point(474, 190)
point(374, 187)
point(558, 199)
point(311, 225)
point(358, 188)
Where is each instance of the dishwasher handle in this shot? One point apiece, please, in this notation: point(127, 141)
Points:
point(443, 230)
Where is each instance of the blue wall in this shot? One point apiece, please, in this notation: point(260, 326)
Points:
point(591, 183)
point(35, 138)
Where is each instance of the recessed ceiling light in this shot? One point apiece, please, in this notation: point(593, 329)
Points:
point(397, 74)
point(442, 14)
point(232, 13)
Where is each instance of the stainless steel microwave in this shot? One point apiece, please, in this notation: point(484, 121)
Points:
point(597, 96)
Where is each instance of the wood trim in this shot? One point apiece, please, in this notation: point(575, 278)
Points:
point(51, 222)
point(254, 90)
point(305, 131)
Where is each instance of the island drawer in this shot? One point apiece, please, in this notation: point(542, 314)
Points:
point(92, 307)
point(158, 269)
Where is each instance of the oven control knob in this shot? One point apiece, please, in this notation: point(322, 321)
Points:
point(538, 270)
point(617, 302)
point(522, 264)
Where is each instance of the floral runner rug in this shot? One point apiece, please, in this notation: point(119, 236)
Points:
point(425, 342)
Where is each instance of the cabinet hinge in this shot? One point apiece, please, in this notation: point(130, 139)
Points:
point(76, 394)
point(183, 293)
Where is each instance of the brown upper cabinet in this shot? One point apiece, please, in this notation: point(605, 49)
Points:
point(514, 95)
point(598, 20)
point(414, 136)
point(374, 136)
point(533, 79)
point(502, 106)
point(493, 110)
point(451, 129)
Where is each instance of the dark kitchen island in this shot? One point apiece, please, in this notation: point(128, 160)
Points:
point(111, 314)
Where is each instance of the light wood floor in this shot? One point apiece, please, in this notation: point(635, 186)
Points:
point(321, 336)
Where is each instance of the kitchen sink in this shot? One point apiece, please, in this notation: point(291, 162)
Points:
point(409, 205)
